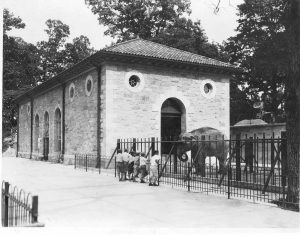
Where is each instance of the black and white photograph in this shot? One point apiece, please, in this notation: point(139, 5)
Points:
point(150, 117)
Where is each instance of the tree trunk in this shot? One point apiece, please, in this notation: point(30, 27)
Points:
point(293, 100)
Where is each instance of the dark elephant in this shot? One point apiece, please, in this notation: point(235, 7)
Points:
point(200, 149)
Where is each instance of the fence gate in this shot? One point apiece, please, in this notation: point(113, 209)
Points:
point(18, 208)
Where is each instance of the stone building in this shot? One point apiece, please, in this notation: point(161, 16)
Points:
point(130, 90)
point(257, 128)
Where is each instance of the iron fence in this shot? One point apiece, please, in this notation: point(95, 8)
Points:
point(86, 162)
point(18, 208)
point(250, 168)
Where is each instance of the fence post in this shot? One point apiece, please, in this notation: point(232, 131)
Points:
point(116, 167)
point(272, 149)
point(6, 200)
point(238, 158)
point(188, 176)
point(75, 162)
point(85, 163)
point(229, 170)
point(100, 164)
point(158, 174)
point(152, 145)
point(283, 158)
point(34, 211)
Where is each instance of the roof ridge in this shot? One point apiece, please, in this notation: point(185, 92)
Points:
point(118, 44)
point(163, 45)
point(195, 54)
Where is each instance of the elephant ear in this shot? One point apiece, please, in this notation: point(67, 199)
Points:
point(182, 136)
point(186, 136)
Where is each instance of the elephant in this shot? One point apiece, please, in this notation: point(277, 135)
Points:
point(217, 147)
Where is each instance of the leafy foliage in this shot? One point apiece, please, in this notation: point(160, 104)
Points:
point(127, 19)
point(10, 22)
point(55, 54)
point(25, 65)
point(162, 21)
point(187, 35)
point(260, 47)
point(77, 51)
point(20, 67)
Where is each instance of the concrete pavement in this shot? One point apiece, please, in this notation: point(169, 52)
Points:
point(74, 198)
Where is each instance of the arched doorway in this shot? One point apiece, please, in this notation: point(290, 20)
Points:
point(173, 122)
point(57, 131)
point(36, 133)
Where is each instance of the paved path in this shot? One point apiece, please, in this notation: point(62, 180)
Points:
point(75, 198)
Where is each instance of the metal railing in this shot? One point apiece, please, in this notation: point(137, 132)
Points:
point(249, 168)
point(18, 208)
point(86, 162)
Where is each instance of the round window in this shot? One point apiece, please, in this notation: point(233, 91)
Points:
point(208, 88)
point(89, 85)
point(134, 81)
point(72, 91)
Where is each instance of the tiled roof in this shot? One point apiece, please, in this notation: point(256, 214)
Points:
point(136, 48)
point(145, 48)
point(251, 122)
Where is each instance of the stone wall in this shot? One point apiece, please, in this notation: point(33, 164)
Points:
point(125, 113)
point(258, 130)
point(80, 119)
point(47, 102)
point(24, 129)
point(81, 116)
point(138, 114)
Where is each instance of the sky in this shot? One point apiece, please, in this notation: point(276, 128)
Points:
point(81, 20)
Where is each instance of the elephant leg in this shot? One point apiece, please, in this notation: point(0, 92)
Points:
point(197, 166)
point(202, 165)
point(222, 168)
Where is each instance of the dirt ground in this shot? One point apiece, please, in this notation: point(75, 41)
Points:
point(86, 200)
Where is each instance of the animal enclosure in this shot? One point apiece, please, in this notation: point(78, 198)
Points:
point(256, 169)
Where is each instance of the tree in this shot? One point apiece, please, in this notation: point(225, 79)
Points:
point(10, 22)
point(25, 65)
point(260, 48)
point(56, 55)
point(187, 35)
point(127, 19)
point(162, 21)
point(52, 58)
point(20, 68)
point(78, 50)
point(268, 46)
point(292, 106)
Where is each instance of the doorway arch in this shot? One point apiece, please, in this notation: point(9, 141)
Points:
point(36, 133)
point(57, 130)
point(173, 121)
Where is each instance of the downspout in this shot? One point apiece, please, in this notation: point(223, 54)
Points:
point(31, 127)
point(99, 118)
point(18, 128)
point(63, 120)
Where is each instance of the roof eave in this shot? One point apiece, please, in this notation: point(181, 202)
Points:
point(100, 56)
point(58, 79)
point(232, 69)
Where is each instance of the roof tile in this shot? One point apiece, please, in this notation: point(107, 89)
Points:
point(141, 47)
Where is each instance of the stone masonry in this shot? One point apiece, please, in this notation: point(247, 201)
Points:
point(138, 115)
point(94, 121)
